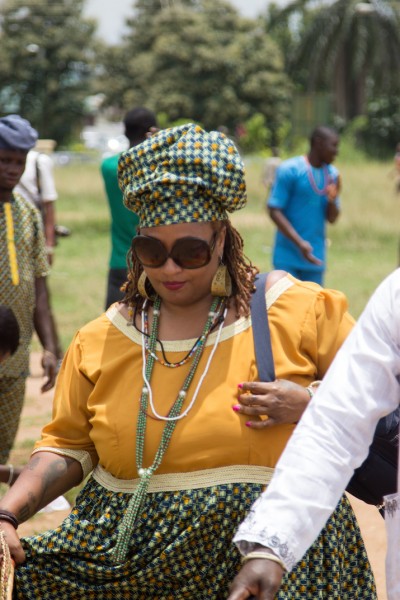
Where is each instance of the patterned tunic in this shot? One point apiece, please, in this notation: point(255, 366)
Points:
point(32, 263)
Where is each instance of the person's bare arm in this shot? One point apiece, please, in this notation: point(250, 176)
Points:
point(290, 232)
point(44, 330)
point(45, 477)
point(332, 212)
point(49, 229)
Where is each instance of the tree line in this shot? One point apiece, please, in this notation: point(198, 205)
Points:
point(202, 60)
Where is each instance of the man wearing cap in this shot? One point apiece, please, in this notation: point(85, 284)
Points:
point(23, 270)
point(37, 185)
point(137, 122)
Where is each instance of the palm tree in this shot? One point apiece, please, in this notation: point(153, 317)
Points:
point(348, 47)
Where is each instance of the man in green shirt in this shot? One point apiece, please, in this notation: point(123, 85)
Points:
point(138, 123)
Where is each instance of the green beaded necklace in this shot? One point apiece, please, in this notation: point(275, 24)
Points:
point(121, 548)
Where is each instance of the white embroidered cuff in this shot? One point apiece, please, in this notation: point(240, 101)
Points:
point(81, 456)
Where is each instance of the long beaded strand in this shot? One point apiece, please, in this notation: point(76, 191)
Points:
point(136, 502)
point(148, 391)
point(311, 178)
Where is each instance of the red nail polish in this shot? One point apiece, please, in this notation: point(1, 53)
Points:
point(236, 407)
point(240, 385)
point(249, 424)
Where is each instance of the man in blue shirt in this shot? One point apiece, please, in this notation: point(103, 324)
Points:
point(304, 196)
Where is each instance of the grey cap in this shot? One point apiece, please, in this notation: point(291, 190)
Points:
point(17, 133)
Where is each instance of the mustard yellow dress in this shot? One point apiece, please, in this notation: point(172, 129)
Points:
point(213, 470)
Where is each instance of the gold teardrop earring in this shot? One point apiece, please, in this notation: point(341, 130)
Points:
point(141, 286)
point(221, 284)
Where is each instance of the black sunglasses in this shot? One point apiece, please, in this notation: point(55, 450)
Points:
point(187, 252)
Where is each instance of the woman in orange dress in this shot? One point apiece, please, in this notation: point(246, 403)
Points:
point(147, 404)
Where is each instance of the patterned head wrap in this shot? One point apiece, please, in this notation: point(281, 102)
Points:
point(16, 133)
point(182, 175)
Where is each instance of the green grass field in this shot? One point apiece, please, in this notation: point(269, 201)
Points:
point(363, 243)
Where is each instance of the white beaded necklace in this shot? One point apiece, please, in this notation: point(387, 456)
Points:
point(147, 389)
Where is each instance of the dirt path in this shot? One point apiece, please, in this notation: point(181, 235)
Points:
point(37, 412)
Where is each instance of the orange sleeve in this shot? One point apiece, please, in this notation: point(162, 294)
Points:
point(70, 425)
point(308, 325)
point(327, 325)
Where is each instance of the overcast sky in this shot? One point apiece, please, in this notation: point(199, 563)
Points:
point(111, 14)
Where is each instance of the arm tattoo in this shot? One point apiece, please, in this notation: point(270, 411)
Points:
point(50, 474)
point(55, 471)
point(33, 463)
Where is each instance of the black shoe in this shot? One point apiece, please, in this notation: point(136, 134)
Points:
point(62, 231)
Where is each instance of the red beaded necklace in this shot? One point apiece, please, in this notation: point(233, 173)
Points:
point(319, 191)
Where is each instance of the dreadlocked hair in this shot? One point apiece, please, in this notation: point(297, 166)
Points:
point(240, 268)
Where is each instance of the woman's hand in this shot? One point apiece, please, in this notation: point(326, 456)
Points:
point(14, 545)
point(281, 401)
point(258, 578)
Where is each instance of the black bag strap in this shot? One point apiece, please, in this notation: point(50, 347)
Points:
point(261, 335)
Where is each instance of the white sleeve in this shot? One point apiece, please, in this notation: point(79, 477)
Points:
point(334, 434)
point(48, 192)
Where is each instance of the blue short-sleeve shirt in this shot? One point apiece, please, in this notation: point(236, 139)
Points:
point(295, 193)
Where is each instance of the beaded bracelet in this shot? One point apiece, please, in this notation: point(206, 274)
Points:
point(264, 555)
point(310, 389)
point(11, 475)
point(6, 515)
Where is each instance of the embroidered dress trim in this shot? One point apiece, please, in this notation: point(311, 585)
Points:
point(277, 290)
point(119, 321)
point(81, 456)
point(172, 482)
point(269, 539)
point(392, 504)
point(12, 253)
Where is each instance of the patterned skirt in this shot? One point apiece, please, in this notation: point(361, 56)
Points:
point(181, 547)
